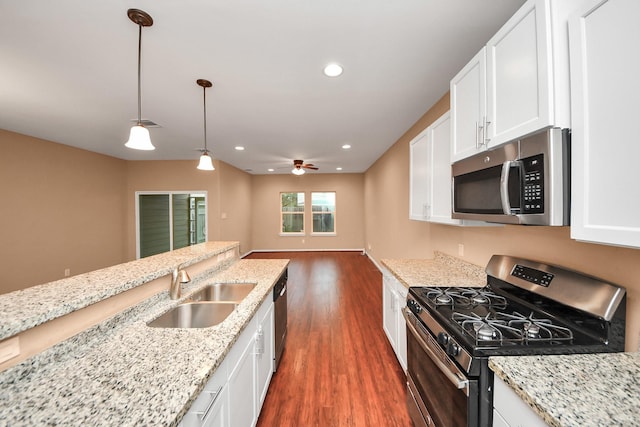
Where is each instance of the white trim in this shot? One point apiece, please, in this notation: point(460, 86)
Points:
point(378, 266)
point(305, 250)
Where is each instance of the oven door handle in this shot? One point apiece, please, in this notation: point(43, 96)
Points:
point(459, 383)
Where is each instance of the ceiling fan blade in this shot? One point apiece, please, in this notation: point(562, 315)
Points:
point(310, 166)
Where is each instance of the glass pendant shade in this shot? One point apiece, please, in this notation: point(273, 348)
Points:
point(297, 171)
point(139, 139)
point(205, 163)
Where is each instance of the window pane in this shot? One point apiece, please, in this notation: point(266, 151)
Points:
point(292, 212)
point(323, 223)
point(180, 220)
point(292, 223)
point(323, 207)
point(154, 224)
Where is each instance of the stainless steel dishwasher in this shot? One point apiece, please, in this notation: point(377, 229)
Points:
point(280, 309)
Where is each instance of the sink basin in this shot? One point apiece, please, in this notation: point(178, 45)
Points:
point(232, 292)
point(194, 315)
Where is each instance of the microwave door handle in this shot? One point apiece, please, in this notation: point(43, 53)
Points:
point(504, 184)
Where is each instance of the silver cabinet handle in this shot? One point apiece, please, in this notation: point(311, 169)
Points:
point(485, 140)
point(204, 414)
point(284, 290)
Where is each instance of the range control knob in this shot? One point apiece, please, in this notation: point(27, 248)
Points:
point(453, 349)
point(414, 306)
point(443, 339)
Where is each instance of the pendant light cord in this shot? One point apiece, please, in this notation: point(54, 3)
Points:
point(204, 101)
point(139, 60)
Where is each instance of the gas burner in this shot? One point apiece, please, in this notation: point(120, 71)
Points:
point(448, 297)
point(537, 329)
point(485, 297)
point(489, 329)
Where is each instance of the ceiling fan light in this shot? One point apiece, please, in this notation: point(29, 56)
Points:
point(139, 139)
point(297, 171)
point(206, 164)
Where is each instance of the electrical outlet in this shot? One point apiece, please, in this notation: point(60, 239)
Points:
point(302, 240)
point(67, 272)
point(460, 249)
point(9, 349)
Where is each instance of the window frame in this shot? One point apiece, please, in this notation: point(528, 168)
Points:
point(282, 213)
point(333, 213)
point(200, 193)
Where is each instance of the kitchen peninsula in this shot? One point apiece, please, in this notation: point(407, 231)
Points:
point(120, 371)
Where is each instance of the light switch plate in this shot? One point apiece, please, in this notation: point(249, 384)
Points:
point(9, 349)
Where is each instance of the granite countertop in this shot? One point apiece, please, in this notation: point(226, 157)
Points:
point(122, 372)
point(442, 270)
point(576, 390)
point(24, 309)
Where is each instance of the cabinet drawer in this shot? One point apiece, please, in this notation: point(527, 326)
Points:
point(212, 393)
point(512, 409)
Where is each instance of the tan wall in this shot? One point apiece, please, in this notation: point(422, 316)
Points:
point(228, 191)
point(417, 239)
point(61, 208)
point(266, 191)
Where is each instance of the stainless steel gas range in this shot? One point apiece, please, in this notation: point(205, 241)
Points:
point(526, 308)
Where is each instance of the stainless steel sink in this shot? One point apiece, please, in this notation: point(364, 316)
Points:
point(194, 315)
point(232, 292)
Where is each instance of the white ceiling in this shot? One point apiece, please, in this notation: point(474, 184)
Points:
point(68, 74)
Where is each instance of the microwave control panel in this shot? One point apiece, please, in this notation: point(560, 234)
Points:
point(533, 189)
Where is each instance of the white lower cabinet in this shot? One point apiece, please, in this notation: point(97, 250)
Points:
point(394, 296)
point(211, 408)
point(264, 355)
point(509, 410)
point(233, 397)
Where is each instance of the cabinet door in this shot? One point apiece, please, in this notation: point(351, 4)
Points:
point(419, 177)
point(468, 108)
point(401, 343)
point(605, 65)
point(389, 318)
point(519, 75)
point(440, 170)
point(264, 353)
point(241, 389)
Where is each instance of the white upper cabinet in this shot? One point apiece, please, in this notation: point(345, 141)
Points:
point(468, 108)
point(525, 86)
point(430, 182)
point(419, 177)
point(605, 86)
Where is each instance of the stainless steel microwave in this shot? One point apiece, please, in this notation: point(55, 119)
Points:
point(522, 182)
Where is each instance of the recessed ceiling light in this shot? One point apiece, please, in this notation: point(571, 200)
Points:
point(240, 148)
point(333, 70)
point(346, 146)
point(271, 170)
point(338, 168)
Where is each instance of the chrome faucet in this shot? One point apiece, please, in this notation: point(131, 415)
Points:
point(178, 276)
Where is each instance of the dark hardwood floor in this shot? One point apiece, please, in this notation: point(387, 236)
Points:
point(338, 369)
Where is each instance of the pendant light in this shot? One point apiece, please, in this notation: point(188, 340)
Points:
point(139, 138)
point(206, 163)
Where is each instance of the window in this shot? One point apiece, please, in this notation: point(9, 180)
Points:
point(292, 213)
point(169, 220)
point(323, 208)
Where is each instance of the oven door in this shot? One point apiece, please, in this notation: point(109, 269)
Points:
point(439, 394)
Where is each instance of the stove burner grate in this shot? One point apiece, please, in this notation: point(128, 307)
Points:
point(498, 328)
point(464, 297)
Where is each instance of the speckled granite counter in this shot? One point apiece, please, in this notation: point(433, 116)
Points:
point(33, 306)
point(122, 372)
point(443, 270)
point(576, 390)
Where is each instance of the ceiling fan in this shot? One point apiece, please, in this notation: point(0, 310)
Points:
point(299, 166)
